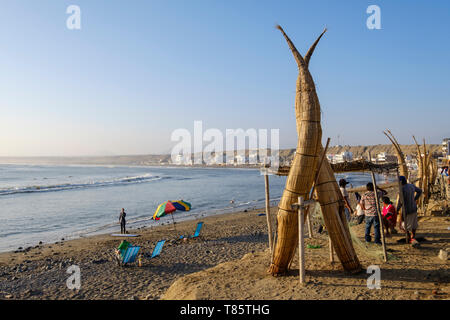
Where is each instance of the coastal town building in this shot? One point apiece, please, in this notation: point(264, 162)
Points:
point(385, 157)
point(446, 147)
point(340, 157)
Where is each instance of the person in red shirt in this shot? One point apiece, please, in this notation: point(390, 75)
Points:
point(389, 216)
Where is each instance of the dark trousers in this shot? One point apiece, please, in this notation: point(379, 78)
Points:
point(376, 228)
point(360, 219)
point(122, 227)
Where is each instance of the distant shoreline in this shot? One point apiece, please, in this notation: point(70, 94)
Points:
point(164, 160)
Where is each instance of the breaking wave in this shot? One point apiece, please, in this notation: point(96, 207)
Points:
point(71, 186)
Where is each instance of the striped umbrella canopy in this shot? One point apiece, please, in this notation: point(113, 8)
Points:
point(171, 206)
point(181, 205)
point(163, 209)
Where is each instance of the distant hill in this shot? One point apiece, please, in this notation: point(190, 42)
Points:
point(359, 151)
point(286, 155)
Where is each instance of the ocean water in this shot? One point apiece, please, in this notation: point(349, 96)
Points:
point(48, 203)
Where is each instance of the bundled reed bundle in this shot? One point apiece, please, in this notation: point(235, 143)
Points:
point(433, 171)
point(400, 156)
point(332, 204)
point(301, 174)
point(427, 171)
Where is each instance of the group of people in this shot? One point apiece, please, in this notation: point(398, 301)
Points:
point(366, 210)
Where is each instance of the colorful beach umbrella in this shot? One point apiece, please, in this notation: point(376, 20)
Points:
point(171, 206)
point(163, 209)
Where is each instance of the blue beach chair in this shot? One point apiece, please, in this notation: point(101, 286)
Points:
point(197, 231)
point(157, 249)
point(129, 256)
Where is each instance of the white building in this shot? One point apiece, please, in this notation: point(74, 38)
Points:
point(181, 159)
point(385, 157)
point(446, 146)
point(342, 157)
point(253, 157)
point(220, 158)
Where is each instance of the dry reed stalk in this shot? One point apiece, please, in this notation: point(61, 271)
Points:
point(426, 173)
point(399, 153)
point(301, 173)
point(433, 170)
point(420, 163)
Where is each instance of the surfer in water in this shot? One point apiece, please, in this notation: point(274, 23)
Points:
point(122, 221)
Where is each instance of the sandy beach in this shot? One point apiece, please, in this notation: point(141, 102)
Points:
point(228, 261)
point(40, 273)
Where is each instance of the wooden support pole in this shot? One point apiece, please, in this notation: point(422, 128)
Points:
point(400, 196)
point(269, 220)
point(331, 250)
point(301, 242)
point(173, 219)
point(308, 221)
point(377, 202)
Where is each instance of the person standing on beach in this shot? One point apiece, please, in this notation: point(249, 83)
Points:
point(442, 179)
point(411, 194)
point(122, 221)
point(348, 209)
point(368, 204)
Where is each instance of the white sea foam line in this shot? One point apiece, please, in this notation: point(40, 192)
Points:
point(69, 186)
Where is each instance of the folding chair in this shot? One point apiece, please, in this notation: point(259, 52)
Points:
point(196, 233)
point(129, 256)
point(157, 249)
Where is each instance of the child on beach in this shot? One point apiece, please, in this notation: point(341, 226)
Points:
point(389, 216)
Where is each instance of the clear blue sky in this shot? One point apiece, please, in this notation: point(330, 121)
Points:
point(137, 70)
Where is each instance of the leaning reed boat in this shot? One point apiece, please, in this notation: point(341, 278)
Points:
point(302, 172)
point(332, 204)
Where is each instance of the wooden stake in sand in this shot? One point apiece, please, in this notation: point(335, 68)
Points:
point(377, 202)
point(269, 220)
point(331, 250)
point(308, 222)
point(301, 242)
